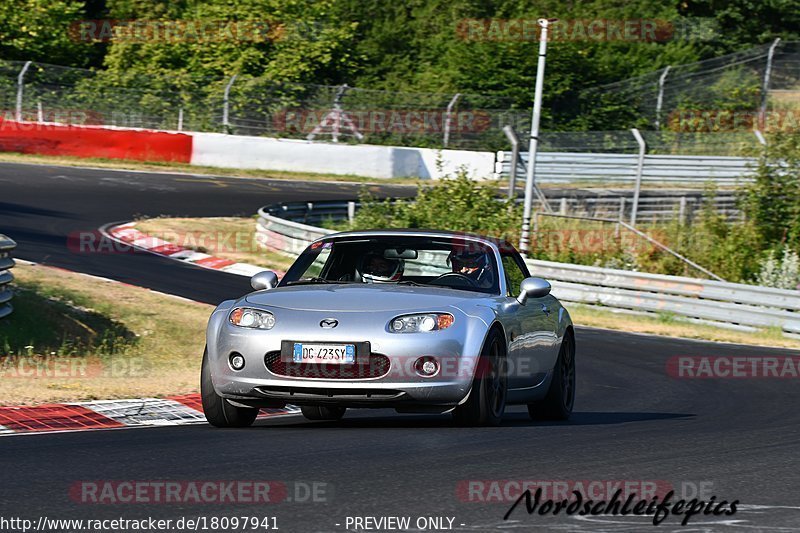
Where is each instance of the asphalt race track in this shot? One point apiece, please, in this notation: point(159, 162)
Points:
point(736, 439)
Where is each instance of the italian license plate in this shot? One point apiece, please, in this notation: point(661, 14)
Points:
point(337, 354)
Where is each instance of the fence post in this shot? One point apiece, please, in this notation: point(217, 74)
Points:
point(762, 113)
point(449, 118)
point(226, 105)
point(351, 211)
point(620, 217)
point(180, 119)
point(660, 98)
point(639, 169)
point(562, 207)
point(524, 240)
point(20, 83)
point(682, 210)
point(39, 112)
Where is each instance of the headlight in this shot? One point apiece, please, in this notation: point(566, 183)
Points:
point(420, 323)
point(251, 318)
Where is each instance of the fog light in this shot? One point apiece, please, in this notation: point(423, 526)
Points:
point(426, 366)
point(237, 361)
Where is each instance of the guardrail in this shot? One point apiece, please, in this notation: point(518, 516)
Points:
point(733, 305)
point(555, 167)
point(6, 277)
point(653, 206)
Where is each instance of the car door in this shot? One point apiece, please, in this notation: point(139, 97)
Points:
point(531, 329)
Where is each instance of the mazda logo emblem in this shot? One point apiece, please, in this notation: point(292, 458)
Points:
point(329, 323)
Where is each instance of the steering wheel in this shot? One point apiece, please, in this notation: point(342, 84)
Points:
point(456, 275)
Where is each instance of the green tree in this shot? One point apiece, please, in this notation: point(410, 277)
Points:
point(39, 30)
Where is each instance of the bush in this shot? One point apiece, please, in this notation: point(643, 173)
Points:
point(781, 273)
point(772, 201)
point(457, 204)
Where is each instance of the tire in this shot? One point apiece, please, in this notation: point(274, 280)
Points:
point(487, 398)
point(560, 398)
point(219, 412)
point(319, 412)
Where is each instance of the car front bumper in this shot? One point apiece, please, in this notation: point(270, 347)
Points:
point(456, 349)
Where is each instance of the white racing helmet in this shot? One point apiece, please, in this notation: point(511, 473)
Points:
point(375, 268)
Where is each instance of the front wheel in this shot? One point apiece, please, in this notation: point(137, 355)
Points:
point(219, 412)
point(560, 399)
point(487, 399)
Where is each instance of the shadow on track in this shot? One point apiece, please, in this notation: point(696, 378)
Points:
point(513, 419)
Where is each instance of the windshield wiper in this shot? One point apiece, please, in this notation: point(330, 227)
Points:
point(309, 280)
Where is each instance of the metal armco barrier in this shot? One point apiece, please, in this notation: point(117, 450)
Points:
point(725, 304)
point(6, 246)
point(557, 167)
point(732, 304)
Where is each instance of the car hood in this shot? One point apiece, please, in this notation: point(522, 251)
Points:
point(363, 298)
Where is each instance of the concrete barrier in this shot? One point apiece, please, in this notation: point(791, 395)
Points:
point(372, 161)
point(94, 142)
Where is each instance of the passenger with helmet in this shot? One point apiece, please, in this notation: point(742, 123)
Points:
point(473, 264)
point(375, 268)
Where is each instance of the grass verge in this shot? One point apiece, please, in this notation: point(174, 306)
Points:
point(72, 339)
point(666, 325)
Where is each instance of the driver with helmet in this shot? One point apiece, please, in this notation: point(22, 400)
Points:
point(473, 264)
point(375, 268)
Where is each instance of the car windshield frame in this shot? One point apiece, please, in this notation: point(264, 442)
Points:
point(358, 246)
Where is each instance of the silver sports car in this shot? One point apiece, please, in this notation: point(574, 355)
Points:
point(415, 320)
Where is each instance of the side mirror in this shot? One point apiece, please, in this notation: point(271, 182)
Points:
point(266, 279)
point(532, 288)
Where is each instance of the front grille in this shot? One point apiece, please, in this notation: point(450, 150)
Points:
point(295, 394)
point(378, 366)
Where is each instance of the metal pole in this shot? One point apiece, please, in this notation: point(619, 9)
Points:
point(20, 83)
point(762, 113)
point(639, 169)
point(226, 104)
point(660, 99)
point(524, 241)
point(512, 175)
point(449, 118)
point(39, 112)
point(180, 119)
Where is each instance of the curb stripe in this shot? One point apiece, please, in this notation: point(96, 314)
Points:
point(138, 412)
point(113, 414)
point(128, 234)
point(54, 417)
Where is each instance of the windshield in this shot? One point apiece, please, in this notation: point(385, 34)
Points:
point(454, 263)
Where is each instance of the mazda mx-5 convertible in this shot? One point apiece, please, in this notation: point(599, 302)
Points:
point(414, 320)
